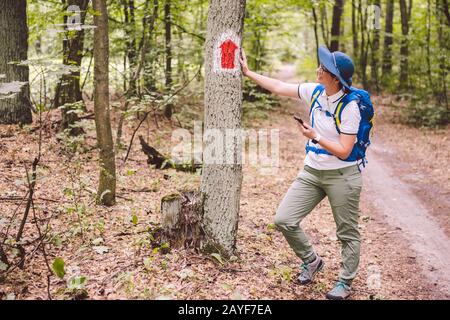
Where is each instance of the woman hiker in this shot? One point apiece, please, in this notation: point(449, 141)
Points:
point(324, 173)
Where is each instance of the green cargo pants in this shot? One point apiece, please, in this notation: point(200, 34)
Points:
point(343, 187)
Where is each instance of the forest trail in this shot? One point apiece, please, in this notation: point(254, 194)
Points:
point(400, 208)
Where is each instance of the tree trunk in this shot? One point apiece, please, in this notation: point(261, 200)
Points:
point(131, 53)
point(168, 71)
point(316, 35)
point(14, 47)
point(149, 77)
point(355, 33)
point(221, 181)
point(405, 14)
point(107, 181)
point(364, 43)
point(324, 23)
point(70, 91)
point(444, 7)
point(336, 25)
point(444, 41)
point(388, 38)
point(181, 217)
point(375, 54)
point(428, 55)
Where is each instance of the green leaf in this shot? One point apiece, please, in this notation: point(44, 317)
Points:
point(58, 268)
point(3, 266)
point(134, 219)
point(77, 282)
point(131, 172)
point(271, 226)
point(218, 257)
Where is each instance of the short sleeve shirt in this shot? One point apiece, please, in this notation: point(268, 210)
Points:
point(325, 125)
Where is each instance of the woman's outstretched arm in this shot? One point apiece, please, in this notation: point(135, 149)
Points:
point(275, 86)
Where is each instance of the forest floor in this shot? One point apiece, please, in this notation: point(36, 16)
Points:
point(405, 223)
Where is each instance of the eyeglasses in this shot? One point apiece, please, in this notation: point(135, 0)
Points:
point(321, 67)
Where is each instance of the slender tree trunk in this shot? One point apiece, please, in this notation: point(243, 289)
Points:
point(364, 42)
point(221, 182)
point(338, 9)
point(355, 31)
point(324, 24)
point(444, 7)
point(316, 35)
point(149, 77)
point(388, 38)
point(70, 91)
point(130, 25)
point(168, 70)
point(375, 53)
point(14, 47)
point(444, 42)
point(428, 55)
point(405, 14)
point(107, 181)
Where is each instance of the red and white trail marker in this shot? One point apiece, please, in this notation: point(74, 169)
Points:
point(226, 53)
point(228, 48)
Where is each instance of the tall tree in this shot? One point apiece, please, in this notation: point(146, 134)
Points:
point(73, 44)
point(130, 43)
point(168, 44)
point(355, 30)
point(375, 49)
point(405, 14)
point(338, 8)
point(388, 38)
point(149, 72)
point(14, 48)
point(107, 181)
point(221, 182)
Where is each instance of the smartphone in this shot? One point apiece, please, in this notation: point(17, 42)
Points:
point(298, 119)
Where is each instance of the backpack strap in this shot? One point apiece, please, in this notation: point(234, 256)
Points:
point(341, 106)
point(316, 93)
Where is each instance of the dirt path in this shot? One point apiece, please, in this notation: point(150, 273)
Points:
point(398, 208)
point(402, 209)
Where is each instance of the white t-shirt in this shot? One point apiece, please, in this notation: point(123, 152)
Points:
point(325, 125)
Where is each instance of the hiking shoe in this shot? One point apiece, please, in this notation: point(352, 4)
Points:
point(341, 291)
point(309, 270)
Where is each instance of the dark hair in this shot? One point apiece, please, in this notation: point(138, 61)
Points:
point(342, 87)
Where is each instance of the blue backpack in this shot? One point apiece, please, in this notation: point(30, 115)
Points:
point(367, 113)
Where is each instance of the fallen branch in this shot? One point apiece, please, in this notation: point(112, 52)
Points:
point(162, 162)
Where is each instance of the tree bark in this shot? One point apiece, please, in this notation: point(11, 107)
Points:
point(221, 182)
point(405, 14)
point(70, 91)
point(355, 33)
point(388, 38)
point(324, 23)
point(168, 38)
point(107, 181)
point(149, 77)
point(316, 35)
point(338, 9)
point(375, 54)
point(181, 218)
point(14, 48)
point(131, 52)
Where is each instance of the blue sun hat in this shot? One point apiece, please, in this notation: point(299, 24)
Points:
point(339, 64)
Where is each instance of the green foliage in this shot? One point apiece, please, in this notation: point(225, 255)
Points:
point(58, 268)
point(421, 112)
